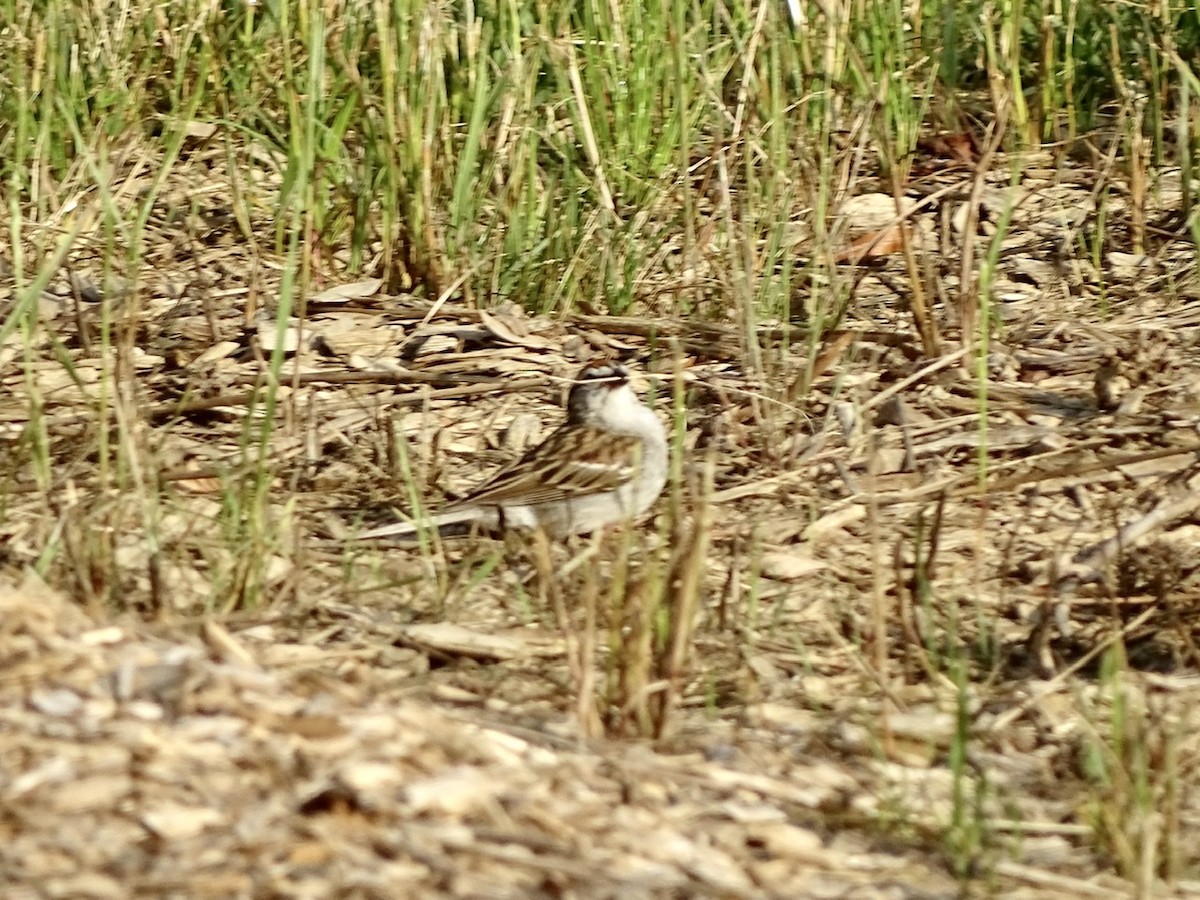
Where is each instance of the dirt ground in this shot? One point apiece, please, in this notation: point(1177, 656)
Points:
point(947, 636)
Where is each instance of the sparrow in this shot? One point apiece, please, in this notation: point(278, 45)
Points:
point(606, 463)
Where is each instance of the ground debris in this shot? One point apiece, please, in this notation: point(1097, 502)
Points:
point(230, 771)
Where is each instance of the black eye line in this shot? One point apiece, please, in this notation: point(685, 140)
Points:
point(613, 377)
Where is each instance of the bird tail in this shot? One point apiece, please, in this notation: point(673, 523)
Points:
point(447, 523)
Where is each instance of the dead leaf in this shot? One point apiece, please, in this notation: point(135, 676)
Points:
point(459, 641)
point(958, 146)
point(876, 244)
point(343, 292)
point(831, 351)
point(512, 331)
point(783, 565)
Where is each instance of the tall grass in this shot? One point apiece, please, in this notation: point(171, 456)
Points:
point(671, 159)
point(562, 155)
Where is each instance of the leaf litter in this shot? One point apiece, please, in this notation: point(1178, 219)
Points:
point(398, 723)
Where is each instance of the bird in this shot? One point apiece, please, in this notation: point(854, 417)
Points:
point(605, 464)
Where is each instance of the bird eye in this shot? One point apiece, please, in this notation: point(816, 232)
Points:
point(604, 373)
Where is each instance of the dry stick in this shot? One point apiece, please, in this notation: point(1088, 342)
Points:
point(968, 486)
point(588, 133)
point(550, 589)
point(968, 283)
point(635, 325)
point(1097, 555)
point(473, 385)
point(1059, 883)
point(585, 702)
point(435, 308)
point(171, 410)
point(927, 328)
point(917, 376)
point(701, 336)
point(685, 584)
point(879, 640)
point(958, 486)
point(750, 346)
point(81, 325)
point(1103, 465)
point(1006, 719)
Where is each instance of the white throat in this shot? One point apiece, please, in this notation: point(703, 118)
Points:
point(623, 413)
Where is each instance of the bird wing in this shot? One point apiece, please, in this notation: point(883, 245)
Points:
point(574, 460)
